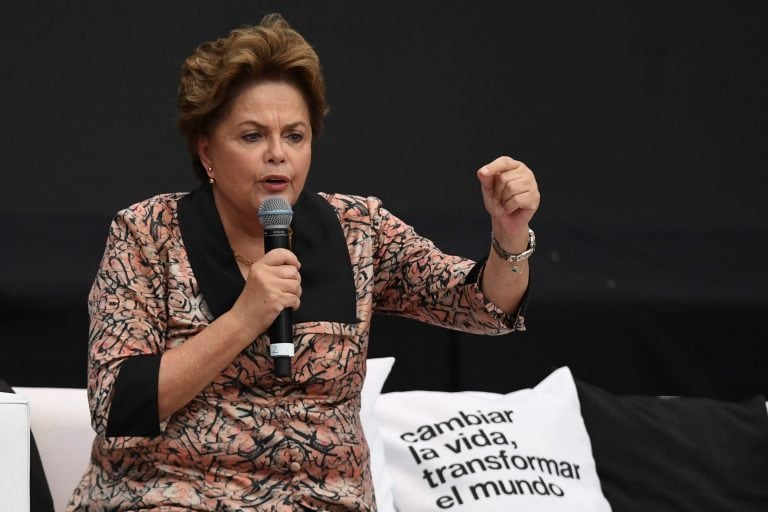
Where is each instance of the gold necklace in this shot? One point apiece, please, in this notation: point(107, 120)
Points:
point(243, 260)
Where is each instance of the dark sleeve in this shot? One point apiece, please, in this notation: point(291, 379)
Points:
point(515, 321)
point(134, 409)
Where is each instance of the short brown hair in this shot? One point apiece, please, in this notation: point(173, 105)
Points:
point(218, 70)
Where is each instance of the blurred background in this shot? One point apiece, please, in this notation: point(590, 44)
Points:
point(646, 124)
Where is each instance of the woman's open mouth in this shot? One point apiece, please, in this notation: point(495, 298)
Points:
point(275, 182)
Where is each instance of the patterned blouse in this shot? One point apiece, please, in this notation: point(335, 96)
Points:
point(251, 440)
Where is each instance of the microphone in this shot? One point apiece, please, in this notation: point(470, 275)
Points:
point(275, 215)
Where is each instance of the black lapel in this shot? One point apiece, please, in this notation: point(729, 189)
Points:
point(208, 250)
point(327, 281)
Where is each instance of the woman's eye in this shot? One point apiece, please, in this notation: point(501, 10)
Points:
point(251, 137)
point(295, 137)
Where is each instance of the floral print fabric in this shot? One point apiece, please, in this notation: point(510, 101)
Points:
point(250, 440)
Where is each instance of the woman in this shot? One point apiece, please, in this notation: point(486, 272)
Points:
point(188, 411)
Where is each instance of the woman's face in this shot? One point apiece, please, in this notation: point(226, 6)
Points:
point(261, 148)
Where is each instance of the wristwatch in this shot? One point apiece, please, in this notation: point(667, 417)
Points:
point(514, 258)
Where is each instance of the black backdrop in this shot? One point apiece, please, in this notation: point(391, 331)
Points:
point(645, 123)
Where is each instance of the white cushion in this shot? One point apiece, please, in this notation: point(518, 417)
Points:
point(526, 451)
point(378, 370)
point(14, 453)
point(61, 425)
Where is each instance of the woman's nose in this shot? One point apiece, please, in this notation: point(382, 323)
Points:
point(275, 153)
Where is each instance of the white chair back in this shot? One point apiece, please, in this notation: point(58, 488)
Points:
point(14, 453)
point(61, 424)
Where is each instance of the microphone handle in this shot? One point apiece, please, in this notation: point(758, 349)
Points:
point(281, 330)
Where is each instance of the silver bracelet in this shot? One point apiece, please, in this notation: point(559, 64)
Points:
point(514, 258)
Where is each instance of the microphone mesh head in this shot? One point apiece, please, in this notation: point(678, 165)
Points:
point(275, 211)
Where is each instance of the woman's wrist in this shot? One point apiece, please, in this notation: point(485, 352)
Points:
point(236, 326)
point(513, 242)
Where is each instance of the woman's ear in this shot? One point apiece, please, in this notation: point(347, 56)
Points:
point(203, 152)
